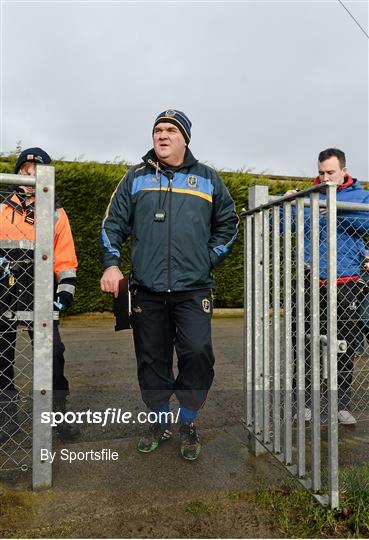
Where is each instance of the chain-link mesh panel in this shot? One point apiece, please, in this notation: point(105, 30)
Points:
point(306, 330)
point(16, 329)
point(352, 315)
point(353, 312)
point(311, 388)
point(290, 353)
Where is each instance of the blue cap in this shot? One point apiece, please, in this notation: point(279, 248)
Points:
point(32, 154)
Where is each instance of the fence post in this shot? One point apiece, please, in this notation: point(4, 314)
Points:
point(287, 318)
point(257, 195)
point(248, 320)
point(300, 339)
point(316, 462)
point(276, 348)
point(266, 326)
point(332, 347)
point(43, 324)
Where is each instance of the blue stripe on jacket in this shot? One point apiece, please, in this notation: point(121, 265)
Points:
point(180, 181)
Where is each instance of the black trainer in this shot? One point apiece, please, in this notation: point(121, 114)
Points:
point(190, 442)
point(156, 434)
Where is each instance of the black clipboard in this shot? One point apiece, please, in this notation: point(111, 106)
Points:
point(122, 306)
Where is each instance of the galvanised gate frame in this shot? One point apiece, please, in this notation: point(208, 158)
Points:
point(274, 302)
point(42, 315)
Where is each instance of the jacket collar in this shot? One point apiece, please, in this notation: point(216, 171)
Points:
point(348, 182)
point(17, 202)
point(152, 160)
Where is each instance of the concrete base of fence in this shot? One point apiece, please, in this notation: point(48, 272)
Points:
point(254, 447)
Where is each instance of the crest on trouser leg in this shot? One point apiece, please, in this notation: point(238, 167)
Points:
point(206, 305)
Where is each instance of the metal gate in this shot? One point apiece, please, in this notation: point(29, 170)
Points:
point(26, 362)
point(293, 389)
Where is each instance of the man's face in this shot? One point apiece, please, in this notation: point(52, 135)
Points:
point(28, 169)
point(169, 144)
point(330, 171)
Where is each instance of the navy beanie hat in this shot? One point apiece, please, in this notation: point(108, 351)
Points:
point(177, 118)
point(32, 154)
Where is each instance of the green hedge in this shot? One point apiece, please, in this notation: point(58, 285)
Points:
point(85, 189)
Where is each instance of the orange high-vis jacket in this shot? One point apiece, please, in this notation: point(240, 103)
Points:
point(17, 236)
point(17, 224)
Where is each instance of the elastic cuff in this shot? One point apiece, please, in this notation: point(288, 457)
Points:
point(214, 259)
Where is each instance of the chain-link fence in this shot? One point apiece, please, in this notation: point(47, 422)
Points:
point(26, 314)
point(16, 303)
point(306, 325)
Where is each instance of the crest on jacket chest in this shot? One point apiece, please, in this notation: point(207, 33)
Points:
point(192, 181)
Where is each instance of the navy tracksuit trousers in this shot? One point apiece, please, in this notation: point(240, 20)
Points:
point(161, 323)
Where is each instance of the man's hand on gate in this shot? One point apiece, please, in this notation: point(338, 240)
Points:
point(110, 280)
point(366, 266)
point(291, 192)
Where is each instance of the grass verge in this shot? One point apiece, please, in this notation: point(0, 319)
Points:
point(299, 515)
point(16, 509)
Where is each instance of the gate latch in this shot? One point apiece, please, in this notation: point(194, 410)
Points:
point(341, 348)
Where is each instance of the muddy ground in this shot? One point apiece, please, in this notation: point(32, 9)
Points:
point(155, 495)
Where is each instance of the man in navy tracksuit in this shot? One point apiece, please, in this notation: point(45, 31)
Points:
point(351, 259)
point(182, 223)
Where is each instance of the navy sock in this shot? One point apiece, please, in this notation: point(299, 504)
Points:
point(187, 415)
point(165, 408)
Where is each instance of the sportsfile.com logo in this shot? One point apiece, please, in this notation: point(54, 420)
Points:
point(108, 416)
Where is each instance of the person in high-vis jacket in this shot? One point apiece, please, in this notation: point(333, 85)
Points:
point(182, 223)
point(17, 236)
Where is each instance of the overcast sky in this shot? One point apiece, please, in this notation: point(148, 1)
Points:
point(267, 85)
